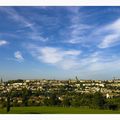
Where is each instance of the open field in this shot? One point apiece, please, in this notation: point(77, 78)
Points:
point(56, 110)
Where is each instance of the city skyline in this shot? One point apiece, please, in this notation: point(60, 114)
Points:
point(59, 42)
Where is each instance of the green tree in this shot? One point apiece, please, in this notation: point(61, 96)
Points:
point(66, 102)
point(25, 96)
point(52, 100)
point(8, 102)
point(2, 103)
point(98, 100)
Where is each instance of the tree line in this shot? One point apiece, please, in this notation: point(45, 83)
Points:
point(69, 99)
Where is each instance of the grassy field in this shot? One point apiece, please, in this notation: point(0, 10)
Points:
point(56, 110)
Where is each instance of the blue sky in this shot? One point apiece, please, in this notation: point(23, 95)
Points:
point(59, 42)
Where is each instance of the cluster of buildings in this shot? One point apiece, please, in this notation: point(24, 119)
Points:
point(109, 88)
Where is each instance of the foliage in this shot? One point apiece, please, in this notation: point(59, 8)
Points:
point(8, 103)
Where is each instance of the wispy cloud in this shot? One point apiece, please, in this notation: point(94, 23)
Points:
point(2, 34)
point(37, 36)
point(77, 28)
point(13, 14)
point(24, 23)
point(112, 36)
point(18, 56)
point(17, 17)
point(3, 42)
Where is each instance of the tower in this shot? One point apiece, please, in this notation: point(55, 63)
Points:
point(76, 78)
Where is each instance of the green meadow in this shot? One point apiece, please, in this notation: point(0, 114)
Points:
point(56, 110)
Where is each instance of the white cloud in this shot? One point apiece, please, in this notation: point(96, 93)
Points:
point(109, 40)
point(99, 63)
point(56, 56)
point(68, 64)
point(3, 42)
point(50, 55)
point(114, 26)
point(72, 52)
point(94, 63)
point(18, 56)
point(112, 36)
point(104, 66)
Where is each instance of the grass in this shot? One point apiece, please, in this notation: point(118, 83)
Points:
point(56, 110)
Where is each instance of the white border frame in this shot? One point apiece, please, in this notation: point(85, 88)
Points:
point(61, 117)
point(59, 2)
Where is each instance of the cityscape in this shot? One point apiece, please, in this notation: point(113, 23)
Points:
point(61, 93)
point(59, 60)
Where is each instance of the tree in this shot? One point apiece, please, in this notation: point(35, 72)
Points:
point(113, 104)
point(75, 102)
point(25, 96)
point(46, 102)
point(113, 107)
point(66, 102)
point(2, 103)
point(52, 100)
point(98, 100)
point(8, 102)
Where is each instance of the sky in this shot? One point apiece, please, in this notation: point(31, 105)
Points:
point(59, 42)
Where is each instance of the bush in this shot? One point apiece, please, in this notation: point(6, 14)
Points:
point(113, 107)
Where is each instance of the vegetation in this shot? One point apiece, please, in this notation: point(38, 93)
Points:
point(28, 95)
point(8, 103)
point(57, 110)
point(89, 102)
